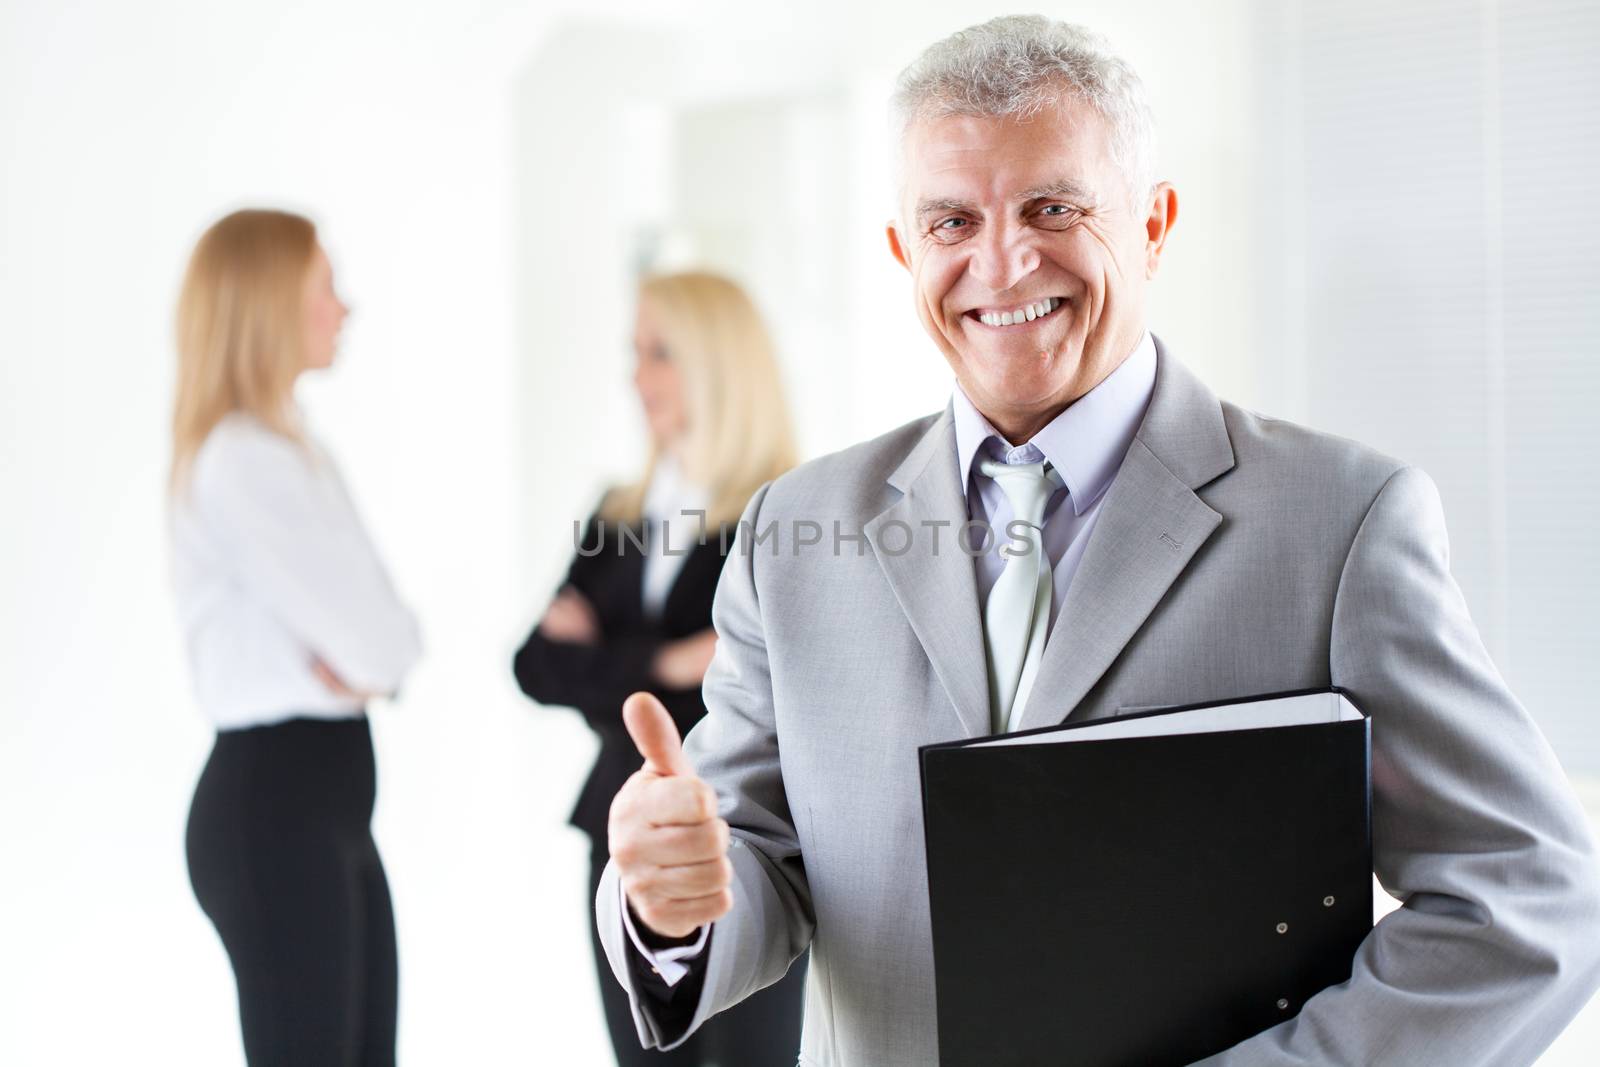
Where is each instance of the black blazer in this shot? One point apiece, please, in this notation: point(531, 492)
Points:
point(595, 679)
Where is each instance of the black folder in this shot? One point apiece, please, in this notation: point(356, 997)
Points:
point(1102, 899)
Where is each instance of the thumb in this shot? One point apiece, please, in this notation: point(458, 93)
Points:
point(655, 735)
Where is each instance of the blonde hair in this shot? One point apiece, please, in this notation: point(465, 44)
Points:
point(738, 435)
point(240, 335)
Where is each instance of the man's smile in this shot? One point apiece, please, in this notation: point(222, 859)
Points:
point(1014, 317)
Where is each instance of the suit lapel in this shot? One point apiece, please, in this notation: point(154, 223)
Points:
point(1149, 528)
point(931, 576)
point(701, 564)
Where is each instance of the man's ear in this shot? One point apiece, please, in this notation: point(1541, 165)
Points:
point(1158, 224)
point(896, 248)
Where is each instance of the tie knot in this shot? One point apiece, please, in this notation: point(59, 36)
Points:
point(1028, 486)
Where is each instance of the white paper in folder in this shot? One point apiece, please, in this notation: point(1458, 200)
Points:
point(1302, 709)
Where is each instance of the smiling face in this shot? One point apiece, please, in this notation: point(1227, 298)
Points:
point(1027, 256)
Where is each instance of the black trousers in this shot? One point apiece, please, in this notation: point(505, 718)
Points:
point(282, 861)
point(761, 1031)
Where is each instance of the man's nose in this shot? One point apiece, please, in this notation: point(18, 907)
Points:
point(1003, 257)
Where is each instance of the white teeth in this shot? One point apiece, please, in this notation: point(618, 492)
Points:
point(1027, 313)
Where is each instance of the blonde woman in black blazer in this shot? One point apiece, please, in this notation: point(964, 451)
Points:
point(634, 612)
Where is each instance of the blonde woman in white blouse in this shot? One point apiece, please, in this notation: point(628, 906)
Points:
point(291, 625)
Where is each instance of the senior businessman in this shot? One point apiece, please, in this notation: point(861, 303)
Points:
point(1161, 546)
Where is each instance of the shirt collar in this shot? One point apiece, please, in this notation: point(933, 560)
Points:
point(670, 494)
point(1086, 442)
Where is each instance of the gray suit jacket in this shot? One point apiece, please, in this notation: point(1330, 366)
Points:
point(1235, 554)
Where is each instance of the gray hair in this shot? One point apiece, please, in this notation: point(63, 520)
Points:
point(1018, 65)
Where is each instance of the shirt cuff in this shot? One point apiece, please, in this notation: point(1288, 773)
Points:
point(666, 962)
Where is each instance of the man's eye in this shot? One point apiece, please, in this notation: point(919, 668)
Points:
point(1057, 209)
point(951, 224)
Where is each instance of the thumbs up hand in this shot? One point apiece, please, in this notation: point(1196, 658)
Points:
point(669, 845)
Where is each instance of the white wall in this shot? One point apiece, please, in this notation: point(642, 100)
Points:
point(1441, 283)
point(126, 129)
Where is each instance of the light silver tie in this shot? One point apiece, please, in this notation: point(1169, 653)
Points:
point(1018, 612)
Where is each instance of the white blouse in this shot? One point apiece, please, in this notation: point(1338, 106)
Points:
point(271, 570)
point(670, 501)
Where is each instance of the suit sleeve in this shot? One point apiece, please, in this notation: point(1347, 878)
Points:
point(592, 678)
point(1475, 828)
point(596, 678)
point(671, 1005)
point(734, 749)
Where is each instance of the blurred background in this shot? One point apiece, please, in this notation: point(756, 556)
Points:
point(1385, 231)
